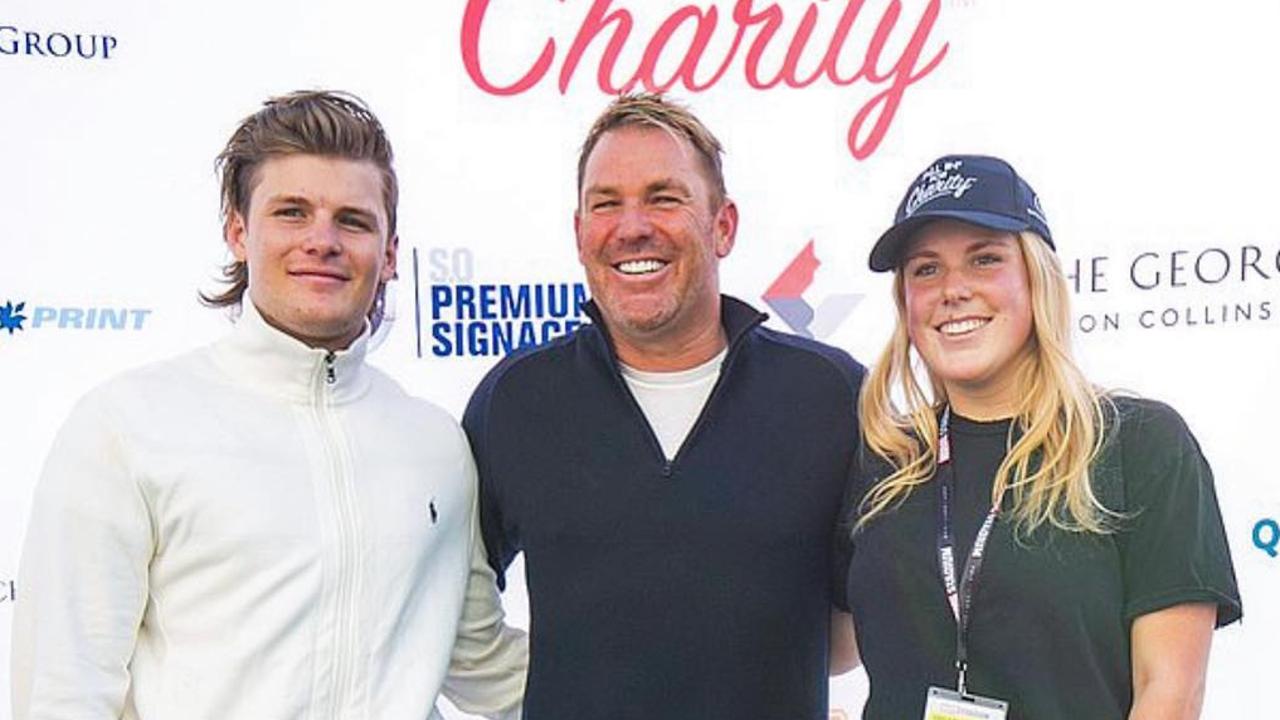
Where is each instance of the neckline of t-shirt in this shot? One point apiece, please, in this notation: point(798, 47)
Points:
point(691, 376)
point(961, 425)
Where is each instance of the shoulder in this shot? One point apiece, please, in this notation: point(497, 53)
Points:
point(106, 422)
point(530, 369)
point(399, 406)
point(418, 428)
point(138, 388)
point(805, 354)
point(1149, 428)
point(1150, 457)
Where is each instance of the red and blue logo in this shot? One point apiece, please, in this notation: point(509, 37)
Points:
point(786, 298)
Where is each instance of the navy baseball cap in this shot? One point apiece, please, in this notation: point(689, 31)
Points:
point(976, 189)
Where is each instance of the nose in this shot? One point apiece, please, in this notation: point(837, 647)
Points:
point(633, 222)
point(323, 238)
point(956, 287)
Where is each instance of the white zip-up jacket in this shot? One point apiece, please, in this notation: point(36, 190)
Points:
point(258, 530)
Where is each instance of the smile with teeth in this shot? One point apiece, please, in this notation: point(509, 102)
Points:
point(640, 267)
point(962, 326)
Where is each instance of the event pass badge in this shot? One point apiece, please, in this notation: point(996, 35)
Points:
point(943, 704)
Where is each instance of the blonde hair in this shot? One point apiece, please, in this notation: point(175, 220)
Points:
point(1059, 423)
point(655, 110)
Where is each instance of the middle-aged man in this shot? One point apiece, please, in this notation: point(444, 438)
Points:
point(674, 471)
point(268, 528)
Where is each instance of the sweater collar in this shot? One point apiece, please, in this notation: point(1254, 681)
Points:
point(275, 363)
point(736, 317)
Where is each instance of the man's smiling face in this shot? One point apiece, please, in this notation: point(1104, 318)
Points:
point(650, 236)
point(316, 245)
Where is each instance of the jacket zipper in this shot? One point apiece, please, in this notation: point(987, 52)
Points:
point(348, 538)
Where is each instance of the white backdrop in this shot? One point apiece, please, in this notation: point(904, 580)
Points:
point(1147, 127)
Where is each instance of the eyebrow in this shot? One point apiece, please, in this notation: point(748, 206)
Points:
point(599, 190)
point(912, 255)
point(973, 247)
point(665, 184)
point(668, 184)
point(288, 200)
point(984, 244)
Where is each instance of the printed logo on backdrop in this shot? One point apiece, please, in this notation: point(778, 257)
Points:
point(17, 319)
point(786, 297)
point(8, 590)
point(56, 43)
point(11, 317)
point(1266, 536)
point(455, 316)
point(1188, 288)
point(877, 52)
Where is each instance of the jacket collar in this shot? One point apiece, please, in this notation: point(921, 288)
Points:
point(736, 317)
point(258, 355)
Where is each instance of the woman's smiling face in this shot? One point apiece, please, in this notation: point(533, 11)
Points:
point(968, 307)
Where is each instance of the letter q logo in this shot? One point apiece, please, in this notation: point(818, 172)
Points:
point(1266, 536)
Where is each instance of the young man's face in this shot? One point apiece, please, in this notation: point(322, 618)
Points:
point(316, 245)
point(650, 237)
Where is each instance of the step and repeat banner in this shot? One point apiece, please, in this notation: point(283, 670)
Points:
point(1146, 126)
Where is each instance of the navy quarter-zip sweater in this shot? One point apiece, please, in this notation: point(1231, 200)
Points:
point(695, 589)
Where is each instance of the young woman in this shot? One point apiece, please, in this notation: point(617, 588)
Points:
point(1024, 545)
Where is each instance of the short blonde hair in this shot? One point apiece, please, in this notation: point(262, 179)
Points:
point(657, 111)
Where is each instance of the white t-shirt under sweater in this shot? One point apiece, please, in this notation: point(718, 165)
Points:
point(672, 401)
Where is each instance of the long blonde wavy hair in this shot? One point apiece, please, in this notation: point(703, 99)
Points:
point(1059, 424)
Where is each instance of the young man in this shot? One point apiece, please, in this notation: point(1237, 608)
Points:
point(673, 472)
point(268, 527)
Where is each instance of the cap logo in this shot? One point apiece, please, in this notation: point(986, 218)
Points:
point(1036, 211)
point(939, 180)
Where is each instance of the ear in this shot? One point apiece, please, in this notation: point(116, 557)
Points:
point(389, 259)
point(234, 233)
point(577, 231)
point(726, 227)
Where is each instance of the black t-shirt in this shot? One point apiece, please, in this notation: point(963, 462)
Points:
point(1051, 611)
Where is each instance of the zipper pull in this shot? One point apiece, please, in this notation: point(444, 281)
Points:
point(331, 376)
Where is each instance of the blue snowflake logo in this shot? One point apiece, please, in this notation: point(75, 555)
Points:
point(11, 317)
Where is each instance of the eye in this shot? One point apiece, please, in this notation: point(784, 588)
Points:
point(666, 200)
point(987, 259)
point(289, 211)
point(923, 269)
point(603, 204)
point(356, 222)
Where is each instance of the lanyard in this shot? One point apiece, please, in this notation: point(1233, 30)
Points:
point(959, 595)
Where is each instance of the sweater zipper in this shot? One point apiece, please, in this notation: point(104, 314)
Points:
point(725, 368)
point(348, 537)
point(668, 466)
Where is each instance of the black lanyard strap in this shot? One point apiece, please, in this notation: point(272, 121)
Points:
point(959, 594)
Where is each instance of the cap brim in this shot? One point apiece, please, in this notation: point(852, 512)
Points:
point(887, 252)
